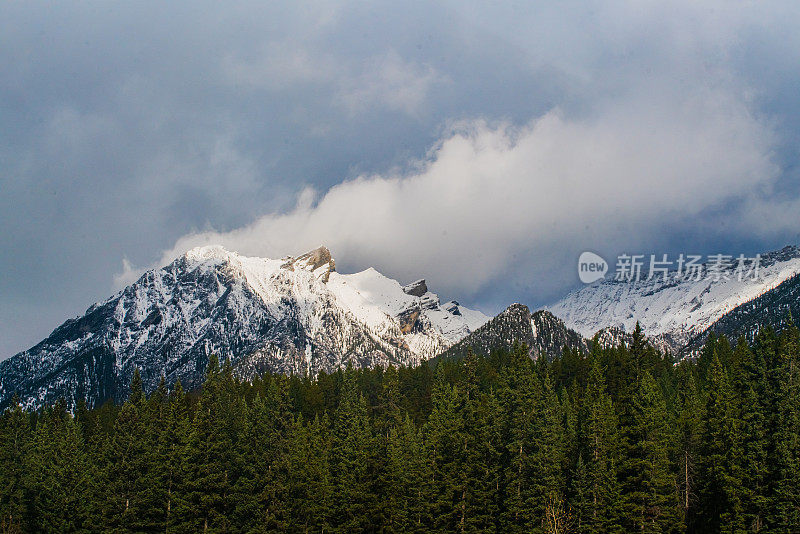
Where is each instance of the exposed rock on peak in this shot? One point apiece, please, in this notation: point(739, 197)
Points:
point(452, 307)
point(319, 261)
point(416, 289)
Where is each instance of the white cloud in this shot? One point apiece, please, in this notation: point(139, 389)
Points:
point(494, 200)
point(127, 276)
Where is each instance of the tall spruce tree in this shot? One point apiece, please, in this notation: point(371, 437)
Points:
point(15, 438)
point(686, 453)
point(124, 465)
point(352, 443)
point(405, 488)
point(650, 494)
point(213, 455)
point(521, 396)
point(784, 446)
point(720, 507)
point(548, 482)
point(56, 475)
point(600, 452)
point(444, 440)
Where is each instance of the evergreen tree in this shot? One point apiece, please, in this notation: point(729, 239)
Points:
point(522, 396)
point(479, 501)
point(350, 460)
point(547, 453)
point(720, 506)
point(15, 438)
point(444, 440)
point(171, 456)
point(207, 499)
point(55, 475)
point(600, 440)
point(784, 446)
point(687, 438)
point(405, 489)
point(650, 494)
point(261, 484)
point(305, 492)
point(122, 480)
point(749, 387)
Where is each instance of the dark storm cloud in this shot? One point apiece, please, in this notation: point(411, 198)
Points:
point(133, 129)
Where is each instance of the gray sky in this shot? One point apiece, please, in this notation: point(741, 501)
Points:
point(481, 147)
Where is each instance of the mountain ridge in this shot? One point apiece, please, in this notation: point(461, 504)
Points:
point(673, 311)
point(290, 315)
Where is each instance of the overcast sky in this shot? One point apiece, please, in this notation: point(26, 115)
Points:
point(480, 147)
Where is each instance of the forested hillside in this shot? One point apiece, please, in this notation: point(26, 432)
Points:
point(616, 440)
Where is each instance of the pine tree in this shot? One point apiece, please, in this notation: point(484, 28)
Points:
point(444, 441)
point(56, 475)
point(784, 424)
point(213, 460)
point(521, 396)
point(547, 453)
point(749, 387)
point(15, 437)
point(405, 489)
point(479, 502)
point(352, 442)
point(305, 492)
point(720, 506)
point(124, 465)
point(171, 455)
point(600, 440)
point(650, 498)
point(687, 437)
point(264, 445)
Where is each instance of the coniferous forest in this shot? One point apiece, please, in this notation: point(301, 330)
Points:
point(617, 440)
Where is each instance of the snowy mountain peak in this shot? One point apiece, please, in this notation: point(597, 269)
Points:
point(214, 253)
point(292, 315)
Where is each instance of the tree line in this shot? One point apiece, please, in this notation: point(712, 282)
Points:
point(618, 440)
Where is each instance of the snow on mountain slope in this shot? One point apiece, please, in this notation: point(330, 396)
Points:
point(674, 310)
point(286, 315)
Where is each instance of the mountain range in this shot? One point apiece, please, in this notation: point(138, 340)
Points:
point(299, 315)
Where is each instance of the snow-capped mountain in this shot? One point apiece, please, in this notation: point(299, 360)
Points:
point(673, 311)
point(284, 315)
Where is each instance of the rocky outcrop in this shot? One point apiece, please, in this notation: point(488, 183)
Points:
point(416, 289)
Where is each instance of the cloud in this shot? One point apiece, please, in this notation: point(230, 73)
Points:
point(494, 200)
point(128, 275)
point(391, 82)
point(280, 65)
point(384, 81)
